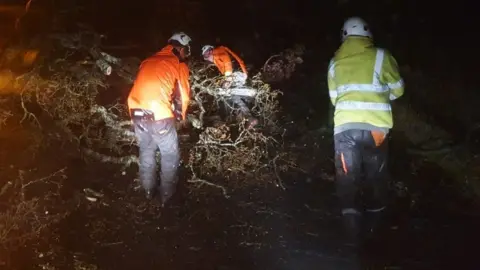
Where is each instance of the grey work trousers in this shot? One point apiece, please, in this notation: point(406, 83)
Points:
point(160, 135)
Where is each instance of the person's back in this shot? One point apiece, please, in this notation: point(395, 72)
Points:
point(155, 82)
point(354, 61)
point(362, 80)
point(362, 76)
point(221, 57)
point(222, 60)
point(158, 98)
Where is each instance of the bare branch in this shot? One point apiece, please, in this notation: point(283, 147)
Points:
point(204, 182)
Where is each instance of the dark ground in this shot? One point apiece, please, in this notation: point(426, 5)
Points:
point(430, 227)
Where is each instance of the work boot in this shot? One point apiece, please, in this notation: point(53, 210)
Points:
point(373, 218)
point(352, 226)
point(167, 190)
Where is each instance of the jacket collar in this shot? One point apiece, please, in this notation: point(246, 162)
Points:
point(167, 50)
point(354, 45)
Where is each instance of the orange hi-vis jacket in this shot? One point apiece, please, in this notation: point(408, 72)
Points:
point(222, 60)
point(158, 80)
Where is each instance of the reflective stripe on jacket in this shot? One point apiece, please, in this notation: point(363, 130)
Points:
point(160, 78)
point(221, 59)
point(362, 80)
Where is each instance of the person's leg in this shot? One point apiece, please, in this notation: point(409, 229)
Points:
point(348, 164)
point(147, 160)
point(240, 105)
point(376, 177)
point(167, 140)
point(244, 111)
point(228, 109)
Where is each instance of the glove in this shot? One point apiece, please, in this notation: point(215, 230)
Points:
point(235, 79)
point(227, 84)
point(239, 78)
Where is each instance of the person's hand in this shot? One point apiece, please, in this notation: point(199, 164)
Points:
point(240, 77)
point(227, 84)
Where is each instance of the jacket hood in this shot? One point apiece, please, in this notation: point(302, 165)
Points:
point(354, 45)
point(167, 50)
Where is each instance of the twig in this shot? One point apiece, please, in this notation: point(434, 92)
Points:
point(5, 187)
point(111, 244)
point(204, 182)
point(279, 180)
point(27, 7)
point(199, 102)
point(58, 172)
point(269, 59)
point(23, 186)
point(26, 113)
point(125, 161)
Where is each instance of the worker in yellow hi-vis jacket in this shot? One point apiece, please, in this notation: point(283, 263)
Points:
point(362, 81)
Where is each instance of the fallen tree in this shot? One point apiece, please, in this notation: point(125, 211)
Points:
point(66, 89)
point(69, 94)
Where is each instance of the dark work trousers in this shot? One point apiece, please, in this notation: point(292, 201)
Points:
point(361, 165)
point(160, 135)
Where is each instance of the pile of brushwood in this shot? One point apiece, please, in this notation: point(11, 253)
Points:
point(64, 90)
point(67, 80)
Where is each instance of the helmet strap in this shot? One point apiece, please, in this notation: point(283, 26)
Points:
point(180, 51)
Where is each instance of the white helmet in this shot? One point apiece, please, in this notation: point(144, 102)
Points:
point(182, 38)
point(355, 26)
point(206, 48)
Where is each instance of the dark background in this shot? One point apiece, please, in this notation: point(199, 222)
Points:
point(419, 33)
point(431, 40)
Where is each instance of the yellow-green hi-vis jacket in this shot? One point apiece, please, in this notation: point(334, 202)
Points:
point(362, 80)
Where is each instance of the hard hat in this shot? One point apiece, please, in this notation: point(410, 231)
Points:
point(355, 26)
point(182, 38)
point(206, 48)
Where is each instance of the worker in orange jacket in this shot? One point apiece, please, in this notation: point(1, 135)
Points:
point(220, 56)
point(160, 96)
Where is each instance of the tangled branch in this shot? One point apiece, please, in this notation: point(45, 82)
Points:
point(208, 94)
point(29, 212)
point(281, 66)
point(4, 114)
point(226, 153)
point(69, 95)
